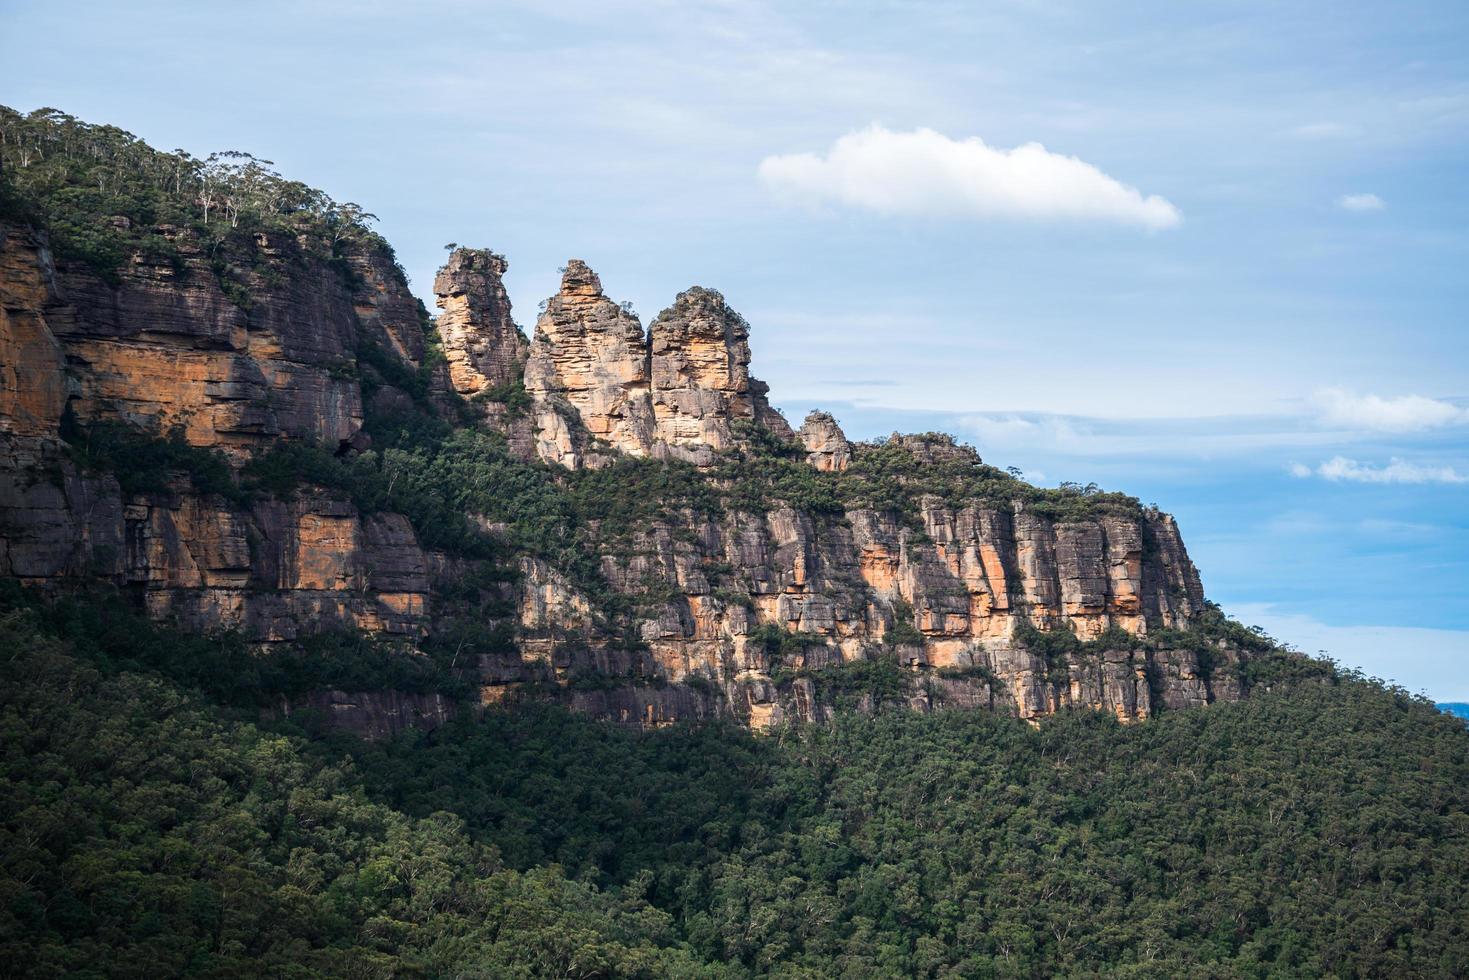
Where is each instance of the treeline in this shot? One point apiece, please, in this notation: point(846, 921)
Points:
point(1319, 828)
point(102, 192)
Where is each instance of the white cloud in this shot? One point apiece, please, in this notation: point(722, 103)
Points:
point(1340, 468)
point(1409, 413)
point(1420, 659)
point(1360, 202)
point(1016, 432)
point(927, 173)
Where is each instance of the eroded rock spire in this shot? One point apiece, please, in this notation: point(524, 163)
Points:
point(483, 346)
point(588, 374)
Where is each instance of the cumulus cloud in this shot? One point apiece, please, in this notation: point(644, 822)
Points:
point(1340, 468)
point(1409, 413)
point(1360, 202)
point(927, 173)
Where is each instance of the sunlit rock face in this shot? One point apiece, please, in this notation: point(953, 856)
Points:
point(826, 445)
point(600, 383)
point(588, 375)
point(701, 380)
point(482, 344)
point(957, 583)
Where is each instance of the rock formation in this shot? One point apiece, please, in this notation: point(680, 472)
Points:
point(600, 384)
point(484, 347)
point(826, 445)
point(701, 380)
point(279, 354)
point(588, 375)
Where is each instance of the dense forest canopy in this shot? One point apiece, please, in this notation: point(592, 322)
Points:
point(103, 193)
point(1319, 828)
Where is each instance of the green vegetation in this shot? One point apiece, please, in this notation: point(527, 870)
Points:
point(781, 644)
point(765, 472)
point(104, 195)
point(1317, 828)
point(870, 685)
point(903, 632)
point(511, 394)
point(143, 462)
point(143, 835)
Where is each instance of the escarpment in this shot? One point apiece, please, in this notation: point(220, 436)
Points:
point(272, 436)
point(162, 351)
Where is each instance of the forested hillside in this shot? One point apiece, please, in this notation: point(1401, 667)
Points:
point(1319, 828)
point(338, 639)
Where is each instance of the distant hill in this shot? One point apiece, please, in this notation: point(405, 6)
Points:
point(1457, 708)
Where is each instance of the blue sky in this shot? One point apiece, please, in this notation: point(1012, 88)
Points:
point(1231, 279)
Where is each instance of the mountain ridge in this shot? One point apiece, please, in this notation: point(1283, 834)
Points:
point(227, 402)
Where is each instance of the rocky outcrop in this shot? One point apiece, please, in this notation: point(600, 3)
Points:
point(484, 347)
point(826, 445)
point(599, 383)
point(948, 592)
point(588, 374)
point(701, 380)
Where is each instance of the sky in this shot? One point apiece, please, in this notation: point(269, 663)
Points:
point(1214, 254)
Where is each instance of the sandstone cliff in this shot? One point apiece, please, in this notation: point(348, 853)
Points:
point(701, 380)
point(588, 374)
point(165, 349)
point(600, 384)
point(484, 347)
point(742, 609)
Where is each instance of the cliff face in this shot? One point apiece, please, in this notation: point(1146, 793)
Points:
point(165, 349)
point(972, 579)
point(484, 347)
point(589, 375)
point(601, 384)
point(738, 611)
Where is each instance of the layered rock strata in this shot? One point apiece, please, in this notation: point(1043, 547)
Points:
point(165, 346)
point(599, 383)
point(484, 348)
point(972, 580)
point(826, 445)
point(701, 384)
point(588, 374)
